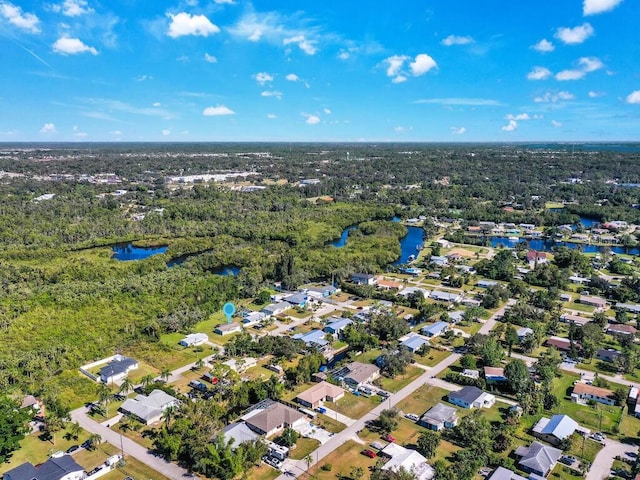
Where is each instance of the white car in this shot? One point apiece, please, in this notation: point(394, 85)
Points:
point(412, 416)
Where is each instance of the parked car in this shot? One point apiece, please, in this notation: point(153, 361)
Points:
point(368, 453)
point(72, 448)
point(412, 416)
point(389, 438)
point(567, 459)
point(87, 444)
point(274, 462)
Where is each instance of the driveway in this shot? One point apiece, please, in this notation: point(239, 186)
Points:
point(604, 460)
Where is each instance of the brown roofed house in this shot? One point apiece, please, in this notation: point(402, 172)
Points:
point(274, 418)
point(320, 392)
point(621, 329)
point(582, 393)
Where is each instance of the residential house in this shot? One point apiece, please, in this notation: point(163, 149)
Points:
point(447, 297)
point(405, 292)
point(315, 338)
point(471, 373)
point(401, 458)
point(439, 417)
point(494, 375)
point(363, 279)
point(608, 355)
point(117, 369)
point(313, 397)
point(555, 429)
point(582, 393)
point(534, 257)
point(274, 309)
point(456, 317)
point(299, 299)
point(148, 408)
point(253, 318)
point(597, 302)
point(565, 297)
point(414, 342)
point(502, 473)
point(577, 319)
point(321, 292)
point(194, 339)
point(560, 343)
point(337, 325)
point(388, 285)
point(538, 458)
point(436, 329)
point(241, 365)
point(269, 418)
point(617, 329)
point(239, 433)
point(472, 397)
point(228, 328)
point(56, 468)
point(487, 283)
point(628, 307)
point(579, 280)
point(356, 374)
point(35, 404)
point(439, 261)
point(523, 332)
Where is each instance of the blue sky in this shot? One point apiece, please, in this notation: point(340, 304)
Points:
point(232, 70)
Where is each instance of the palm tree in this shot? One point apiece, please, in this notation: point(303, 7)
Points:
point(147, 380)
point(168, 415)
point(75, 430)
point(165, 374)
point(199, 364)
point(308, 460)
point(125, 387)
point(95, 440)
point(104, 397)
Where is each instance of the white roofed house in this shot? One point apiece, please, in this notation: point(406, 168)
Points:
point(439, 417)
point(228, 328)
point(276, 308)
point(253, 318)
point(401, 458)
point(194, 339)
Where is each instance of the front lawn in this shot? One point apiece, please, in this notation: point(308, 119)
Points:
point(304, 446)
point(423, 399)
point(355, 406)
point(342, 461)
point(400, 381)
point(433, 357)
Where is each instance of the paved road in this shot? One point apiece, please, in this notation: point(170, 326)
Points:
point(603, 462)
point(298, 467)
point(169, 470)
point(489, 324)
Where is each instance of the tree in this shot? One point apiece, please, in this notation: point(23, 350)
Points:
point(94, 441)
point(308, 459)
point(468, 361)
point(511, 338)
point(427, 443)
point(491, 352)
point(125, 387)
point(13, 426)
point(474, 433)
point(147, 380)
point(356, 473)
point(517, 374)
point(104, 397)
point(289, 437)
point(165, 374)
point(387, 421)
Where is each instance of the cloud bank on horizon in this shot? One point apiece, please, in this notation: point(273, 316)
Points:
point(236, 70)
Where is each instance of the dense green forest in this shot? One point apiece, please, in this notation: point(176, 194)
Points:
point(65, 301)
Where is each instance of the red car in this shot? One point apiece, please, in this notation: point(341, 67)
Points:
point(389, 438)
point(369, 453)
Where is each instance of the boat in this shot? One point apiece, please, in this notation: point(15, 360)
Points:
point(514, 239)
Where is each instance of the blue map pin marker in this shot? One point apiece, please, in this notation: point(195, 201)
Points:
point(229, 309)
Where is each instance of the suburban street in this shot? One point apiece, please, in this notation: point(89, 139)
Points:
point(601, 466)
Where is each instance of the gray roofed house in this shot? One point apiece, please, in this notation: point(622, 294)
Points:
point(276, 308)
point(239, 433)
point(441, 296)
point(299, 299)
point(438, 417)
point(117, 368)
point(337, 325)
point(228, 328)
point(314, 337)
point(502, 473)
point(555, 429)
point(436, 329)
point(538, 458)
point(523, 332)
point(472, 397)
point(272, 418)
point(56, 468)
point(414, 342)
point(356, 373)
point(149, 408)
point(608, 355)
point(629, 307)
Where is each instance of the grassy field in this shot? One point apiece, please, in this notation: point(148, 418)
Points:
point(584, 448)
point(355, 406)
point(630, 428)
point(423, 399)
point(262, 472)
point(304, 446)
point(400, 381)
point(328, 423)
point(342, 460)
point(433, 357)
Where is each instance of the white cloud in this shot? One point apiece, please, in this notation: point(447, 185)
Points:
point(326, 111)
point(544, 46)
point(186, 24)
point(575, 35)
point(228, 2)
point(633, 97)
point(24, 21)
point(422, 64)
point(593, 7)
point(395, 63)
point(456, 40)
point(539, 73)
point(461, 101)
point(565, 75)
point(48, 128)
point(166, 132)
point(594, 94)
point(550, 97)
point(142, 78)
point(292, 77)
point(117, 133)
point(458, 130)
point(73, 8)
point(399, 79)
point(511, 127)
point(590, 64)
point(72, 46)
point(518, 117)
point(311, 119)
point(556, 124)
point(344, 55)
point(217, 111)
point(263, 77)
point(118, 106)
point(271, 116)
point(210, 58)
point(157, 104)
point(307, 46)
point(272, 93)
